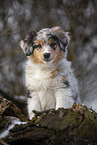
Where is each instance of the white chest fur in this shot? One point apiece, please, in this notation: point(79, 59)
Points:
point(49, 92)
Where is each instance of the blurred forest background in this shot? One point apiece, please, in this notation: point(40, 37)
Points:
point(79, 17)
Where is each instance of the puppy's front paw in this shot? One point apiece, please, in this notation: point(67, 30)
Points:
point(31, 115)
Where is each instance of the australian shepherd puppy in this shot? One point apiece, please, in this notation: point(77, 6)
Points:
point(49, 77)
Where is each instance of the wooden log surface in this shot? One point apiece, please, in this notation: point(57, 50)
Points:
point(75, 125)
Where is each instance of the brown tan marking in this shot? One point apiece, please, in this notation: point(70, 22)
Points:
point(56, 55)
point(39, 42)
point(37, 56)
point(55, 72)
point(64, 79)
point(52, 41)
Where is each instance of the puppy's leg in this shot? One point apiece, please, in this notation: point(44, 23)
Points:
point(64, 98)
point(33, 104)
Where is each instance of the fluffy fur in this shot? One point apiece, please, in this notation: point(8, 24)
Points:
point(49, 77)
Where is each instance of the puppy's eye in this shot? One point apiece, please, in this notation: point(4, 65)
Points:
point(37, 46)
point(53, 45)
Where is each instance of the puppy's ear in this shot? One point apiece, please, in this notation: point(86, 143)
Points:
point(27, 43)
point(63, 37)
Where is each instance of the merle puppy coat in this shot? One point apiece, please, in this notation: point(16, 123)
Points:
point(49, 77)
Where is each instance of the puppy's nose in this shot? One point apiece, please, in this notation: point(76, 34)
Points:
point(46, 55)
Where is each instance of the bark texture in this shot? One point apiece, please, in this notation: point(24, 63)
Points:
point(76, 125)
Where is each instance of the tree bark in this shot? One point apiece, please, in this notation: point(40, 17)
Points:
point(75, 125)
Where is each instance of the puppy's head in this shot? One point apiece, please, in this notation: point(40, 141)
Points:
point(46, 46)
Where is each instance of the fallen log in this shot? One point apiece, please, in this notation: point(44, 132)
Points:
point(75, 125)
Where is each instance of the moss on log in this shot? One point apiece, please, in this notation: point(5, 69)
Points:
point(75, 125)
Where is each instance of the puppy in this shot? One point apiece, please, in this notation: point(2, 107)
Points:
point(49, 77)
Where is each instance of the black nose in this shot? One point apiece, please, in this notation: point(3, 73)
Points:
point(46, 55)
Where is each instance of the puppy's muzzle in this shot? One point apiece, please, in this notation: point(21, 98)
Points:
point(46, 56)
